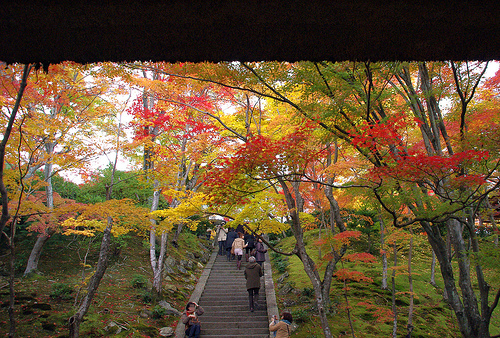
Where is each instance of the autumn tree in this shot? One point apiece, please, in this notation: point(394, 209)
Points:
point(13, 86)
point(391, 114)
point(112, 217)
point(56, 129)
point(280, 162)
point(173, 122)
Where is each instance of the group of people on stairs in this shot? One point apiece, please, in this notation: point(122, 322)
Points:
point(236, 242)
point(233, 244)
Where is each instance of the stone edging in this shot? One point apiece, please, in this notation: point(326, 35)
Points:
point(198, 290)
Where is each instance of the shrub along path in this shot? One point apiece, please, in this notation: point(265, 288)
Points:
point(222, 293)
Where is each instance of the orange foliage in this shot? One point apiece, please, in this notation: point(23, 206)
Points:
point(361, 257)
point(382, 315)
point(346, 236)
point(354, 276)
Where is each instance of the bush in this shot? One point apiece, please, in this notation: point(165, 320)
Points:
point(139, 282)
point(62, 291)
point(300, 315)
point(146, 297)
point(281, 265)
point(280, 261)
point(308, 292)
point(159, 312)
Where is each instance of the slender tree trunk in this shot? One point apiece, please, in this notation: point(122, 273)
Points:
point(409, 326)
point(433, 269)
point(307, 262)
point(393, 291)
point(156, 262)
point(34, 257)
point(384, 253)
point(440, 248)
point(102, 264)
point(12, 318)
point(158, 272)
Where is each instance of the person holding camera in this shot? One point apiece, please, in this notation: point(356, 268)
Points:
point(281, 328)
point(191, 321)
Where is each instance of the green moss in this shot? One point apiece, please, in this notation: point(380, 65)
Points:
point(429, 306)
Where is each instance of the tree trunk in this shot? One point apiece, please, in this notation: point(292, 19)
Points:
point(433, 270)
point(393, 291)
point(439, 246)
point(308, 263)
point(102, 264)
point(12, 274)
point(34, 257)
point(384, 254)
point(409, 326)
point(156, 266)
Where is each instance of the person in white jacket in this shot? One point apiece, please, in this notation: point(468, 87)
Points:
point(221, 238)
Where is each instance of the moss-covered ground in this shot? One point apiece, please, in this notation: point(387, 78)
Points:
point(369, 305)
point(45, 300)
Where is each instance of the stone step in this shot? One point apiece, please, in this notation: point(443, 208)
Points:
point(232, 335)
point(235, 324)
point(234, 331)
point(227, 308)
point(209, 298)
point(249, 317)
point(225, 301)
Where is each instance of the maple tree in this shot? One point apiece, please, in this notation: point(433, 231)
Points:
point(173, 121)
point(112, 217)
point(55, 130)
point(277, 161)
point(390, 113)
point(13, 87)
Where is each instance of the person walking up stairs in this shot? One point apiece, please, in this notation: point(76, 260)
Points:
point(253, 272)
point(226, 304)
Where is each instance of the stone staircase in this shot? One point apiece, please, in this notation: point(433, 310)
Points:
point(222, 293)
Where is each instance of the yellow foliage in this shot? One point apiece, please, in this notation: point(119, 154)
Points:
point(307, 221)
point(86, 232)
point(94, 218)
point(191, 204)
point(262, 213)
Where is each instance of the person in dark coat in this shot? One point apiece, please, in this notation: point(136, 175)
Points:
point(253, 272)
point(231, 236)
point(240, 228)
point(260, 252)
point(250, 241)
